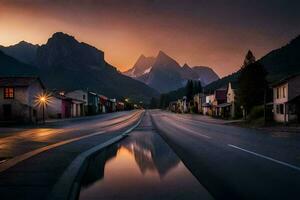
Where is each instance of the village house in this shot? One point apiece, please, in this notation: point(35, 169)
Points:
point(120, 106)
point(81, 96)
point(112, 105)
point(219, 99)
point(199, 99)
point(103, 104)
point(90, 99)
point(173, 106)
point(207, 105)
point(228, 109)
point(18, 96)
point(286, 99)
point(61, 106)
point(182, 105)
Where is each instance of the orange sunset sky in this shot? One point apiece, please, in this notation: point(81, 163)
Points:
point(210, 33)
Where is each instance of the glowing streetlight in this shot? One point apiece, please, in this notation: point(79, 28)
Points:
point(42, 100)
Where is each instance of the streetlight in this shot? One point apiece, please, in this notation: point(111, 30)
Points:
point(42, 100)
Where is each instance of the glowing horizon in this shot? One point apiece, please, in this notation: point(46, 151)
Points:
point(213, 34)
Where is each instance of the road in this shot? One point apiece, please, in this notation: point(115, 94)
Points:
point(233, 162)
point(171, 151)
point(14, 142)
point(38, 157)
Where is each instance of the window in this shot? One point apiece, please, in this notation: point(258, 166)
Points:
point(283, 92)
point(277, 93)
point(280, 109)
point(83, 96)
point(9, 93)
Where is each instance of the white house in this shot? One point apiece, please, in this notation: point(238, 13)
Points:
point(231, 98)
point(286, 99)
point(18, 96)
point(82, 98)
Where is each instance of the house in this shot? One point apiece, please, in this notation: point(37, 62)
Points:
point(220, 97)
point(173, 106)
point(286, 99)
point(199, 99)
point(112, 105)
point(207, 104)
point(103, 104)
point(61, 106)
point(229, 108)
point(120, 106)
point(82, 96)
point(182, 105)
point(18, 99)
point(90, 99)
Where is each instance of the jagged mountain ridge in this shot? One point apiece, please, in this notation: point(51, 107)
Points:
point(23, 51)
point(165, 74)
point(64, 63)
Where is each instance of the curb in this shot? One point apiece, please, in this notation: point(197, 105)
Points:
point(66, 187)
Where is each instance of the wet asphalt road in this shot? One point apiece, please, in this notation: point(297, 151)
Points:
point(228, 162)
point(141, 166)
point(14, 142)
point(233, 162)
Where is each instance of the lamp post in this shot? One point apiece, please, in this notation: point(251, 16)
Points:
point(42, 100)
point(43, 103)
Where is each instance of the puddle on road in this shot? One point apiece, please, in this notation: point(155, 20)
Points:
point(140, 167)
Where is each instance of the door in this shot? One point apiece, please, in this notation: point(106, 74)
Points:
point(7, 113)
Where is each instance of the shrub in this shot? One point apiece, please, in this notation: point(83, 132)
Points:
point(256, 113)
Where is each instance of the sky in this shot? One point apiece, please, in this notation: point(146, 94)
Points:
point(215, 33)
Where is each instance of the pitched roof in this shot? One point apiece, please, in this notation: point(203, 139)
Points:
point(221, 94)
point(19, 81)
point(284, 80)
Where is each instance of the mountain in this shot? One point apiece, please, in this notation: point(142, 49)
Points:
point(63, 63)
point(164, 74)
point(279, 63)
point(64, 50)
point(205, 74)
point(142, 66)
point(9, 66)
point(23, 51)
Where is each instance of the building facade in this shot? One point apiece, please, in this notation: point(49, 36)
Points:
point(286, 97)
point(18, 99)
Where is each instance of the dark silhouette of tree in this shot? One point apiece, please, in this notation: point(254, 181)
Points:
point(249, 59)
point(252, 86)
point(189, 90)
point(197, 87)
point(153, 103)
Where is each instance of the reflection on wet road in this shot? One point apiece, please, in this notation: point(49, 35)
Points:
point(142, 166)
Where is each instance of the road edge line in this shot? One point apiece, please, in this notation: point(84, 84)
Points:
point(64, 187)
point(266, 157)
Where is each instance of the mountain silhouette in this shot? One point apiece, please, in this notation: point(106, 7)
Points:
point(63, 63)
point(279, 64)
point(165, 74)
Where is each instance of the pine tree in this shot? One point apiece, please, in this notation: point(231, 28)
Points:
point(249, 59)
point(189, 90)
point(252, 85)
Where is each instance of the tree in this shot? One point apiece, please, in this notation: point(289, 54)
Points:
point(197, 87)
point(189, 88)
point(252, 86)
point(153, 103)
point(249, 59)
